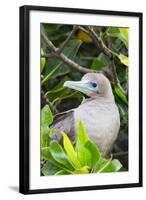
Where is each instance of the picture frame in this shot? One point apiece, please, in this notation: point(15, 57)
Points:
point(30, 19)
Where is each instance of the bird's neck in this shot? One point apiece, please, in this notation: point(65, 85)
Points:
point(108, 96)
point(99, 99)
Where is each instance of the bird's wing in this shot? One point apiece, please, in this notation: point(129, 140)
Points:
point(63, 122)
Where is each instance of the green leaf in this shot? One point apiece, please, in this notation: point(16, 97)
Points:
point(83, 170)
point(95, 154)
point(49, 169)
point(87, 152)
point(120, 95)
point(114, 166)
point(124, 34)
point(61, 83)
point(82, 134)
point(45, 136)
point(99, 62)
point(43, 60)
point(46, 120)
point(123, 59)
point(70, 151)
point(59, 155)
point(108, 166)
point(46, 154)
point(52, 73)
point(62, 172)
point(96, 64)
point(50, 29)
point(57, 32)
point(46, 116)
point(83, 154)
point(104, 59)
point(103, 165)
point(113, 32)
point(120, 33)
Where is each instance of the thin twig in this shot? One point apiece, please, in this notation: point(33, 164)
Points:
point(48, 42)
point(83, 29)
point(98, 42)
point(67, 40)
point(45, 98)
point(115, 77)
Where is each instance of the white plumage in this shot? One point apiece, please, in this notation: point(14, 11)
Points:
point(99, 113)
point(101, 121)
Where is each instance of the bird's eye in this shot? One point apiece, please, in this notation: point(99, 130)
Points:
point(94, 84)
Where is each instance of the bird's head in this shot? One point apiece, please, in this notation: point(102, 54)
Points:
point(92, 84)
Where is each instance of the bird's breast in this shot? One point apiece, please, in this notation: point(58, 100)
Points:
point(101, 121)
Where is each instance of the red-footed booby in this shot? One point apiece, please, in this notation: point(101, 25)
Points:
point(99, 113)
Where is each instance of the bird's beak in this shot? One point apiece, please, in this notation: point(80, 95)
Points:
point(82, 86)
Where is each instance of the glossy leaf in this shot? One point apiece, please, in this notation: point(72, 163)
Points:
point(123, 59)
point(43, 60)
point(124, 34)
point(95, 154)
point(120, 95)
point(113, 32)
point(83, 170)
point(100, 62)
point(46, 116)
point(45, 136)
point(121, 33)
point(59, 155)
point(103, 165)
point(111, 166)
point(70, 151)
point(82, 134)
point(62, 172)
point(49, 169)
point(46, 120)
point(87, 152)
point(46, 154)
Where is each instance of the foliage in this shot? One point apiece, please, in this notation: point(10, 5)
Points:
point(84, 158)
point(82, 49)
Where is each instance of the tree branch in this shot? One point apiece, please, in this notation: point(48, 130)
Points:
point(98, 42)
point(64, 58)
point(56, 52)
point(115, 77)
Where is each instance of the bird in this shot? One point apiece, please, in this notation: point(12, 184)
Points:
point(99, 113)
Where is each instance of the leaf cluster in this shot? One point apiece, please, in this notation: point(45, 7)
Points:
point(83, 158)
point(81, 48)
